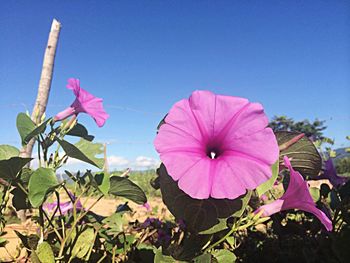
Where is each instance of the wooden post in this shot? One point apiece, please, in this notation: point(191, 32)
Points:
point(45, 82)
point(43, 91)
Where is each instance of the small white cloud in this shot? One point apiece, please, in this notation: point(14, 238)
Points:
point(146, 162)
point(114, 160)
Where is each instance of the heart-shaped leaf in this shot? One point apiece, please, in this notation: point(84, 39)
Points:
point(40, 129)
point(20, 199)
point(80, 131)
point(25, 125)
point(83, 243)
point(8, 151)
point(199, 215)
point(45, 253)
point(302, 153)
point(41, 183)
point(11, 167)
point(123, 187)
point(84, 151)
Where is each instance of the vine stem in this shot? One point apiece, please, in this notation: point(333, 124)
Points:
point(74, 224)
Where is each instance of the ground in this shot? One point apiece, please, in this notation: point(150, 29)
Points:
point(104, 207)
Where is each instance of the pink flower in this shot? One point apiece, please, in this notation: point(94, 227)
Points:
point(65, 207)
point(217, 146)
point(84, 102)
point(297, 196)
point(330, 173)
point(147, 206)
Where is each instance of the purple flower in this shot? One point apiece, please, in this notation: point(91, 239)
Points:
point(65, 207)
point(217, 146)
point(331, 174)
point(297, 196)
point(84, 102)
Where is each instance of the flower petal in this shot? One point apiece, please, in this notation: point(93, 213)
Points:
point(199, 172)
point(311, 208)
point(250, 119)
point(250, 172)
point(179, 163)
point(214, 112)
point(170, 139)
point(254, 146)
point(74, 84)
point(181, 117)
point(224, 183)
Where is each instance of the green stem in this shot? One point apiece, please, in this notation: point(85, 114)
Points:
point(75, 222)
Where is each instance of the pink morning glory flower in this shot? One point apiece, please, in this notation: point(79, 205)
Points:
point(84, 102)
point(217, 146)
point(331, 174)
point(297, 196)
point(65, 207)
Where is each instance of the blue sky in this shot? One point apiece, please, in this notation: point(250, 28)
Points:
point(143, 56)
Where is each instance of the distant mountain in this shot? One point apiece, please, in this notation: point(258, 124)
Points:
point(341, 153)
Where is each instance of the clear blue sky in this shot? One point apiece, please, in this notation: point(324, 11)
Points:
point(143, 56)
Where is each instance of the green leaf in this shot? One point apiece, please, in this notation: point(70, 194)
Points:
point(302, 153)
point(41, 183)
point(123, 187)
point(199, 215)
point(114, 223)
point(11, 167)
point(222, 225)
point(84, 242)
point(25, 125)
point(315, 193)
point(20, 199)
point(160, 258)
point(80, 131)
point(224, 256)
point(3, 242)
point(40, 129)
point(263, 188)
point(204, 258)
point(84, 151)
point(34, 258)
point(45, 253)
point(102, 182)
point(8, 151)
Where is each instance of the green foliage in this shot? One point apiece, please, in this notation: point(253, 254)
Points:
point(224, 256)
point(343, 165)
point(25, 126)
point(10, 168)
point(8, 151)
point(312, 130)
point(303, 154)
point(84, 241)
point(44, 253)
point(41, 183)
point(80, 131)
point(123, 187)
point(263, 188)
point(35, 132)
point(199, 215)
point(84, 151)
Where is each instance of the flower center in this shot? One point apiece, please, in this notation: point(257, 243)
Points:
point(213, 152)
